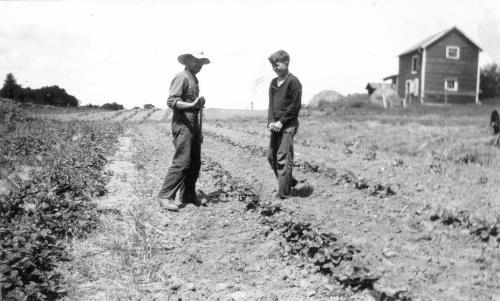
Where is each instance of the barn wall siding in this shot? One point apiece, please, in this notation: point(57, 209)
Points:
point(405, 72)
point(438, 68)
point(451, 98)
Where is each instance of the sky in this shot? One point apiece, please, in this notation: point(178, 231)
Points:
point(126, 51)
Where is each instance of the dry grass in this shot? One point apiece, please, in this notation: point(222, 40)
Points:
point(120, 260)
point(123, 259)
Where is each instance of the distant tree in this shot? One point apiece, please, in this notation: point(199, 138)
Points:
point(490, 81)
point(135, 108)
point(112, 106)
point(27, 95)
point(56, 96)
point(149, 106)
point(10, 88)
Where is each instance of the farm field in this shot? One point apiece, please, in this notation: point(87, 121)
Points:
point(397, 205)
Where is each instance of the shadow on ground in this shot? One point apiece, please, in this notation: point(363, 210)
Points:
point(212, 197)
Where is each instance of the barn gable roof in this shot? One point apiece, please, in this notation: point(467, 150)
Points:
point(436, 37)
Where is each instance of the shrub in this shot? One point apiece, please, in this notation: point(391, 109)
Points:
point(355, 100)
point(112, 106)
point(90, 106)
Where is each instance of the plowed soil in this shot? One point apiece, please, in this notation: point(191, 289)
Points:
point(423, 223)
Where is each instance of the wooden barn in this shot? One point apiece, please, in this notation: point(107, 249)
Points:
point(444, 68)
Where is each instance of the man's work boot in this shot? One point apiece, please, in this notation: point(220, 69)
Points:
point(193, 198)
point(169, 204)
point(294, 182)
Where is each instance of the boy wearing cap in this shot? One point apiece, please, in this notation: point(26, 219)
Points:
point(179, 185)
point(285, 93)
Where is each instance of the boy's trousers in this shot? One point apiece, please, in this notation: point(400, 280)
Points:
point(280, 156)
point(185, 168)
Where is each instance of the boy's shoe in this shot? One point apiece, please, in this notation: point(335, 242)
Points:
point(169, 204)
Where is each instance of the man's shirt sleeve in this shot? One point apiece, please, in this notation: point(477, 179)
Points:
point(296, 103)
point(177, 88)
point(270, 114)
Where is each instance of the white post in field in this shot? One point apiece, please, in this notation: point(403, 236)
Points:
point(406, 95)
point(384, 101)
point(478, 80)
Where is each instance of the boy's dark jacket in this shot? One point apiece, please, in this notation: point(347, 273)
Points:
point(285, 101)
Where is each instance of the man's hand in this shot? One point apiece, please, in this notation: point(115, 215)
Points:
point(199, 103)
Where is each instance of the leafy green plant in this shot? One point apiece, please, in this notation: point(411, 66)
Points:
point(327, 252)
point(52, 201)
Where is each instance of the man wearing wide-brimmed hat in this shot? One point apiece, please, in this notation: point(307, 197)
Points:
point(179, 186)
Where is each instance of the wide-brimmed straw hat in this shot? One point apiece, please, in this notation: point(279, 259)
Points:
point(186, 57)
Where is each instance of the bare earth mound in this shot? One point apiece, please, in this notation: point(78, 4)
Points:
point(325, 97)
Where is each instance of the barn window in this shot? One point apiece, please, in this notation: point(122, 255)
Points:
point(414, 63)
point(453, 52)
point(451, 85)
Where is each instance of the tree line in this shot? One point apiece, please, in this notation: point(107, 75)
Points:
point(52, 95)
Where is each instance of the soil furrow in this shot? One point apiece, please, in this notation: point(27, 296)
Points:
point(396, 234)
point(339, 177)
point(481, 223)
point(324, 251)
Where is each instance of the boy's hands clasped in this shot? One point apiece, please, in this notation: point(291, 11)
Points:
point(275, 126)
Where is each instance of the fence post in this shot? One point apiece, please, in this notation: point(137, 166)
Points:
point(384, 101)
point(445, 95)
